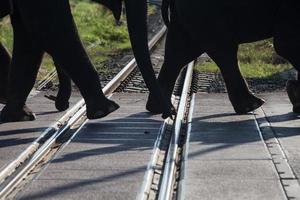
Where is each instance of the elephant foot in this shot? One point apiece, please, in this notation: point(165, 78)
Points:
point(246, 104)
point(101, 110)
point(293, 91)
point(153, 106)
point(61, 103)
point(156, 107)
point(12, 114)
point(169, 112)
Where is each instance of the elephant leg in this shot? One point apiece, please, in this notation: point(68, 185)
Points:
point(51, 23)
point(25, 63)
point(242, 99)
point(64, 90)
point(5, 60)
point(287, 45)
point(179, 51)
point(136, 13)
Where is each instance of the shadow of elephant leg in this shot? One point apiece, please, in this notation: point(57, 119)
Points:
point(5, 60)
point(179, 51)
point(26, 59)
point(242, 99)
point(51, 23)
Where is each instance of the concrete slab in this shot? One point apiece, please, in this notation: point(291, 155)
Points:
point(286, 126)
point(106, 160)
point(233, 188)
point(223, 151)
point(87, 189)
point(227, 159)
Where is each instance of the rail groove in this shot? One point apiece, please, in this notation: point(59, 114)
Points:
point(166, 189)
point(163, 168)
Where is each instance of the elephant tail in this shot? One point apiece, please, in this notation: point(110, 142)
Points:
point(167, 7)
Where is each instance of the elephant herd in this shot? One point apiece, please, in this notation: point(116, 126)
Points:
point(194, 27)
point(48, 26)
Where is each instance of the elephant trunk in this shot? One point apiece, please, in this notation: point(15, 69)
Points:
point(136, 12)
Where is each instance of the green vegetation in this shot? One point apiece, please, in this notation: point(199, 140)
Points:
point(99, 32)
point(257, 60)
point(6, 35)
point(96, 24)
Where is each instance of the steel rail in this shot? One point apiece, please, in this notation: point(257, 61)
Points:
point(50, 76)
point(41, 145)
point(185, 150)
point(165, 192)
point(144, 192)
point(114, 84)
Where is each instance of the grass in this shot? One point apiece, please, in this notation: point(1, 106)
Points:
point(256, 60)
point(97, 26)
point(6, 35)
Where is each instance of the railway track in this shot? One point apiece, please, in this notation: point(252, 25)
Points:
point(166, 168)
point(162, 180)
point(166, 174)
point(19, 172)
point(163, 175)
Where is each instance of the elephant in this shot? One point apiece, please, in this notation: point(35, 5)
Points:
point(48, 26)
point(217, 28)
point(64, 92)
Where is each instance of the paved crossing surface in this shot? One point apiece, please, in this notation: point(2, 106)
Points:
point(229, 156)
point(16, 137)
